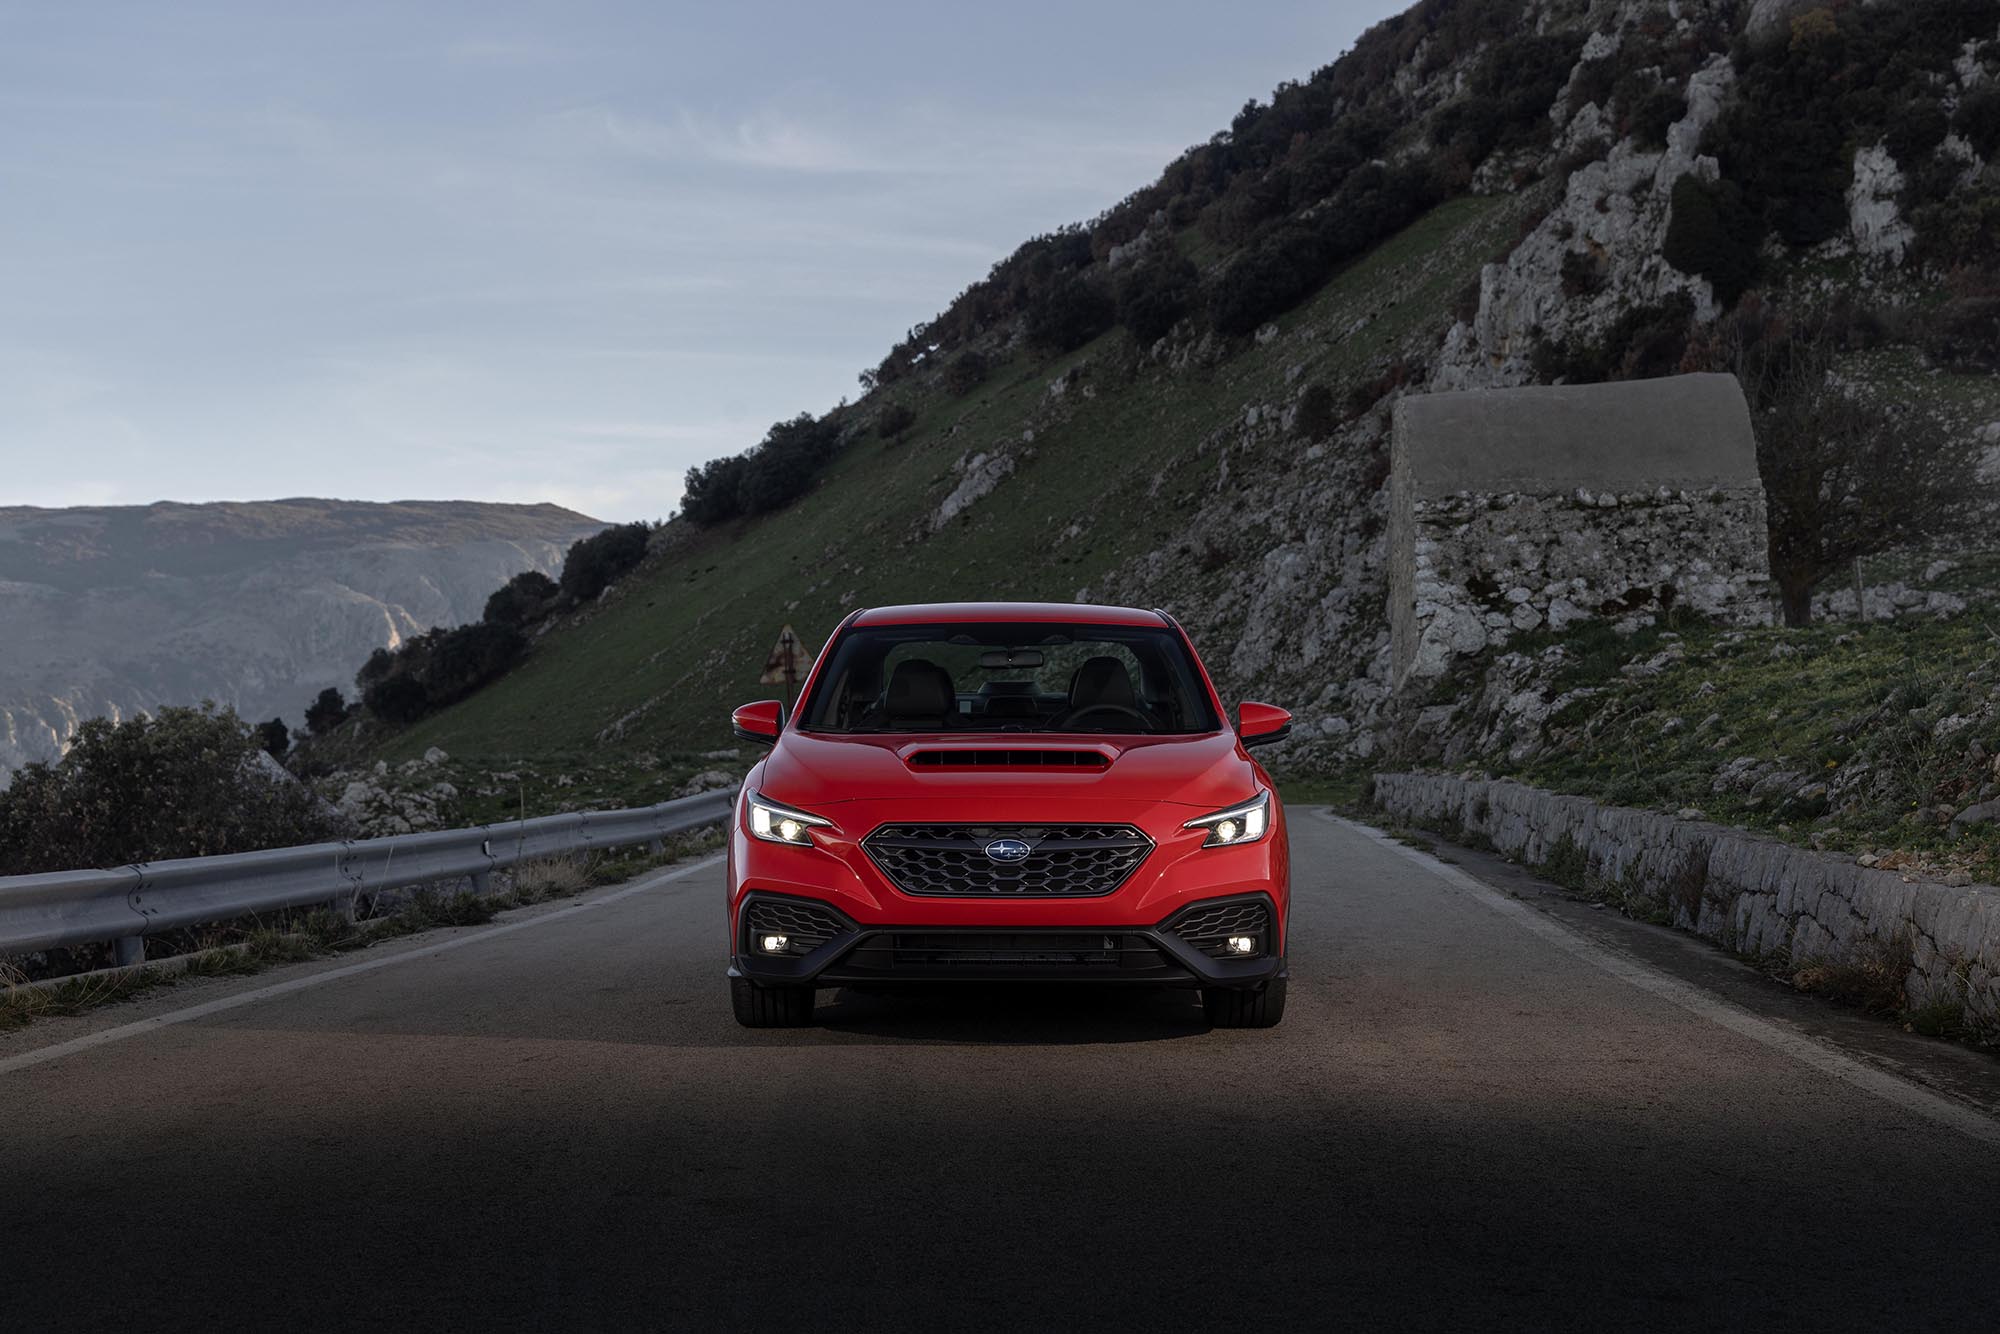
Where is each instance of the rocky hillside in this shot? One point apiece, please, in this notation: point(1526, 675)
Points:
point(1185, 402)
point(108, 611)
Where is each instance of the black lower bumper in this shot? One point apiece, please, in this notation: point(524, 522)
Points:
point(854, 955)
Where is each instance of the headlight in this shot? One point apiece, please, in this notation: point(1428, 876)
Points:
point(1239, 824)
point(782, 824)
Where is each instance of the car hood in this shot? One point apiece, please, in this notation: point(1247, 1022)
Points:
point(810, 770)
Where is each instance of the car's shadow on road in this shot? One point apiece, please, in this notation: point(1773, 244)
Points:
point(1039, 1013)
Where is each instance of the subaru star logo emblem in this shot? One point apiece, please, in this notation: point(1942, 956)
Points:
point(1008, 850)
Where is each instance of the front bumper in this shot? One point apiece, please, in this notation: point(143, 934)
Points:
point(854, 954)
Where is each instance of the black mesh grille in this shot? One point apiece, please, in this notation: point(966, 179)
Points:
point(806, 926)
point(938, 953)
point(1063, 861)
point(1008, 759)
point(1208, 928)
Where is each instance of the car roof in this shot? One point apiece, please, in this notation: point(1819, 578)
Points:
point(951, 613)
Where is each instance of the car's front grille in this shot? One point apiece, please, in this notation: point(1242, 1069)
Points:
point(942, 953)
point(1071, 861)
point(1208, 929)
point(806, 926)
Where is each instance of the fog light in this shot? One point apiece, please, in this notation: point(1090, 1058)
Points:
point(1242, 944)
point(774, 944)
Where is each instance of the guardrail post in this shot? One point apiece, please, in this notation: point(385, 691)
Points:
point(128, 950)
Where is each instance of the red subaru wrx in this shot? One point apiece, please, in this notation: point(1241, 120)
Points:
point(1002, 791)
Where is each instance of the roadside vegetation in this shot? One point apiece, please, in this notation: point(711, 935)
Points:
point(1880, 740)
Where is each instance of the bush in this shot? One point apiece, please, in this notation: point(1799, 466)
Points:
point(1070, 314)
point(1977, 119)
point(1645, 342)
point(894, 419)
point(1582, 274)
point(1918, 128)
point(712, 492)
point(964, 372)
point(465, 659)
point(398, 700)
point(1156, 293)
point(1713, 233)
point(522, 600)
point(595, 562)
point(274, 738)
point(1316, 417)
point(183, 782)
point(327, 711)
point(1653, 113)
point(1964, 335)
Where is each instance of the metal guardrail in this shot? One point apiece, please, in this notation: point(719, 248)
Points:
point(126, 904)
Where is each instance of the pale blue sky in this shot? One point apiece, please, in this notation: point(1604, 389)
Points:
point(538, 251)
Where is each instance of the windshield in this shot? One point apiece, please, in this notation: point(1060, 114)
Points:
point(1009, 678)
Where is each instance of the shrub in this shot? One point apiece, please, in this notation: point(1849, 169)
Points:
point(964, 372)
point(327, 711)
point(1156, 293)
point(1582, 274)
point(894, 419)
point(1713, 233)
point(465, 659)
point(274, 738)
point(594, 562)
point(1917, 128)
point(1653, 113)
point(1964, 334)
point(522, 600)
point(712, 492)
point(1977, 119)
point(787, 463)
point(1644, 342)
point(1069, 314)
point(182, 782)
point(1316, 417)
point(399, 700)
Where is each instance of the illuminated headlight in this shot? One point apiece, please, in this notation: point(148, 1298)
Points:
point(1239, 824)
point(782, 824)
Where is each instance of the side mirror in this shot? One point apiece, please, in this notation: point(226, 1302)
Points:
point(1261, 724)
point(760, 722)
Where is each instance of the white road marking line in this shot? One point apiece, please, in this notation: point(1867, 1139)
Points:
point(1910, 1097)
point(474, 937)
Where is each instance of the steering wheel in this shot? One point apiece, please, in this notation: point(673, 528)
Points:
point(1068, 720)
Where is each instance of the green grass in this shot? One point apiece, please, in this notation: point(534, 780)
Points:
point(1116, 468)
point(1857, 708)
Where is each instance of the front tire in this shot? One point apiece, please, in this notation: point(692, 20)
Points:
point(770, 1007)
point(1230, 1007)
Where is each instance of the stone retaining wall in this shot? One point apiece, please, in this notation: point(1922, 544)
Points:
point(1746, 892)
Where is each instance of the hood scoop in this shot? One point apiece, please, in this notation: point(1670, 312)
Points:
point(1070, 761)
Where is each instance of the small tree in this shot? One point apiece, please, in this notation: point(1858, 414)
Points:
point(521, 601)
point(327, 711)
point(594, 562)
point(274, 737)
point(1844, 476)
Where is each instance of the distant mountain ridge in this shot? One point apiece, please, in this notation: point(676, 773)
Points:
point(258, 605)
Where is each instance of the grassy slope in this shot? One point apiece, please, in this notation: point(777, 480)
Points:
point(683, 641)
point(1870, 736)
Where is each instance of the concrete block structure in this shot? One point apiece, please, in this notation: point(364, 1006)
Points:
point(1513, 509)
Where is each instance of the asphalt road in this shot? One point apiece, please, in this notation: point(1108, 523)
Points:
point(1472, 1116)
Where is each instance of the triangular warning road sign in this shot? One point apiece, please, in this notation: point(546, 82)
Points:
point(789, 662)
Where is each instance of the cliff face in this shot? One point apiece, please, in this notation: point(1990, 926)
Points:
point(260, 606)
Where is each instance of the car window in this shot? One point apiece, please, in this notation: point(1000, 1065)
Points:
point(1009, 678)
